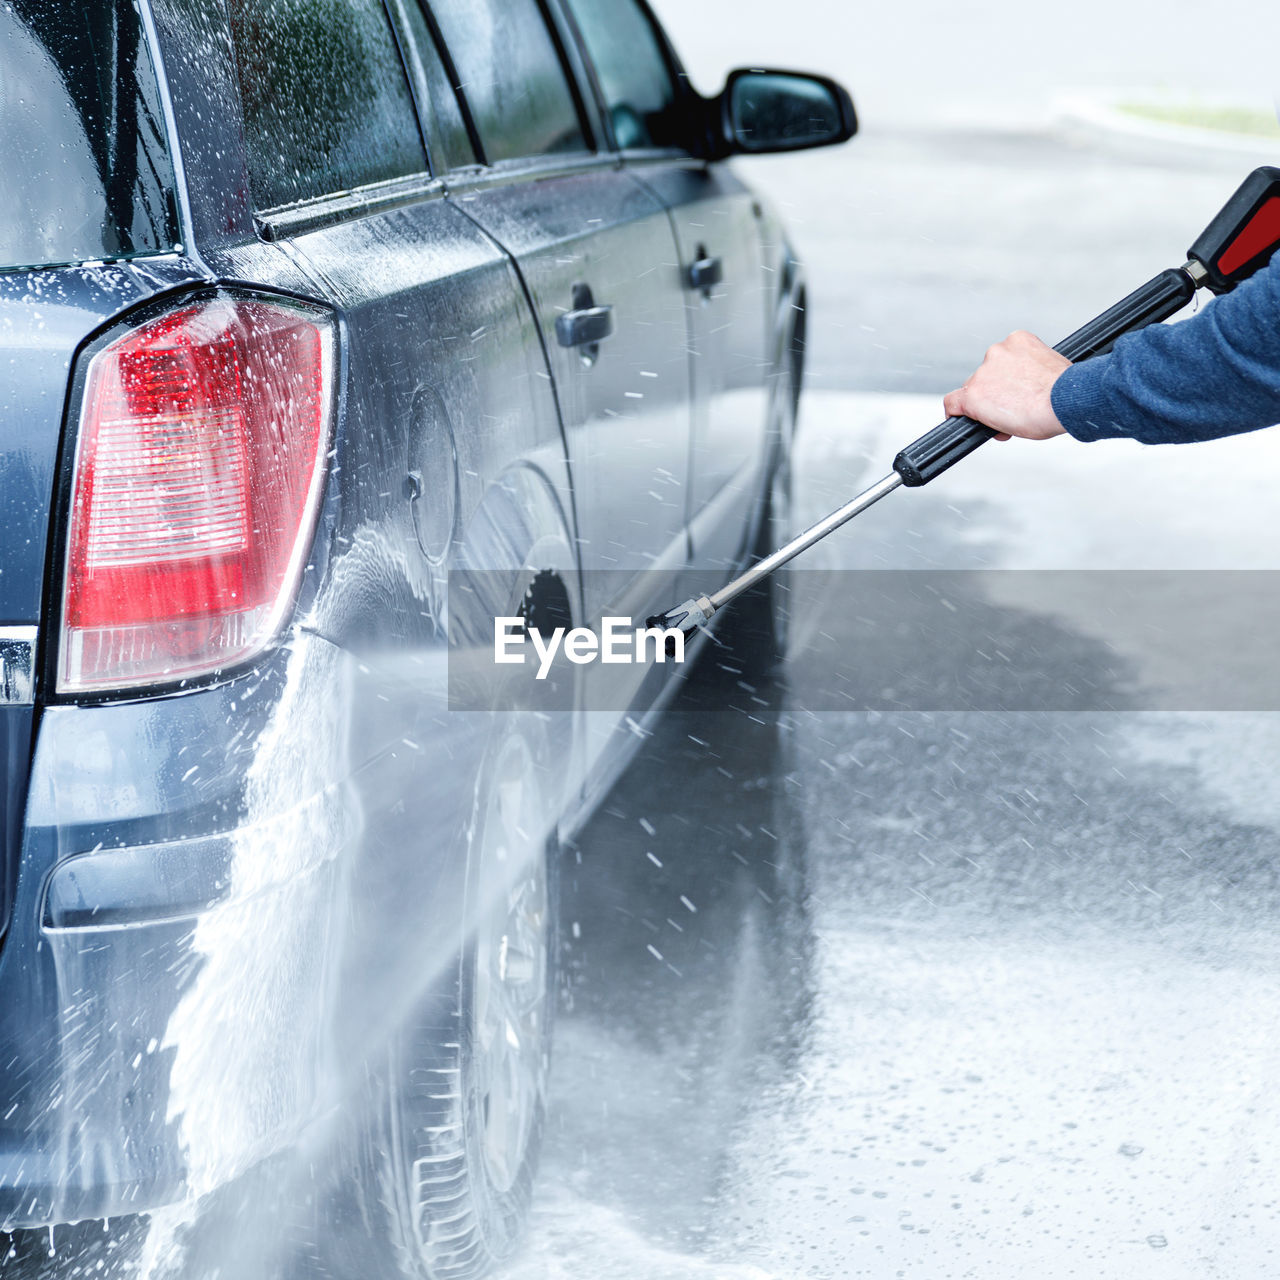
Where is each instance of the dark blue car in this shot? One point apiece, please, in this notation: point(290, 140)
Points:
point(307, 307)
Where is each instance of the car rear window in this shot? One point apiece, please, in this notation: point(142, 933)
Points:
point(511, 77)
point(326, 103)
point(87, 170)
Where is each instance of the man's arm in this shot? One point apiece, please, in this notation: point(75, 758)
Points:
point(1215, 374)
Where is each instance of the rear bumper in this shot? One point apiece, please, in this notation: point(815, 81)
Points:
point(164, 985)
point(145, 1092)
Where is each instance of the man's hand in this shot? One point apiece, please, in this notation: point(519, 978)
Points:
point(1010, 390)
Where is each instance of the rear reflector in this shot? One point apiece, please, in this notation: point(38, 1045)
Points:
point(198, 475)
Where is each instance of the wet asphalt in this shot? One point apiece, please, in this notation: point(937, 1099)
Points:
point(984, 987)
point(950, 950)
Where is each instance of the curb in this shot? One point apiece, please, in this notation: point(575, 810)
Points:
point(1099, 113)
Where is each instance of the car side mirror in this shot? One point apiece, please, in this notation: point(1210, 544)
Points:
point(763, 111)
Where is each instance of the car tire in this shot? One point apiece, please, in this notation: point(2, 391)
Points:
point(755, 629)
point(757, 625)
point(463, 1101)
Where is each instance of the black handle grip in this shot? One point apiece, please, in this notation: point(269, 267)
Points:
point(1156, 300)
point(940, 449)
point(937, 450)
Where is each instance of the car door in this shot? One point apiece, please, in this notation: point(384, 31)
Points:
point(717, 225)
point(596, 254)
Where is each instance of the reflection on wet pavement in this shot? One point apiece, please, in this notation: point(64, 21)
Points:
point(688, 951)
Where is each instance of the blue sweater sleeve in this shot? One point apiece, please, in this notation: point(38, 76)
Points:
point(1215, 374)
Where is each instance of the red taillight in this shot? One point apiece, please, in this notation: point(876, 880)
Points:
point(198, 477)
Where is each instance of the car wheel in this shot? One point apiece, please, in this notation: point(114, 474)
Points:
point(758, 623)
point(465, 1094)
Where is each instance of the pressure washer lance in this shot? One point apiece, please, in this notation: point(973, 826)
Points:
point(1235, 245)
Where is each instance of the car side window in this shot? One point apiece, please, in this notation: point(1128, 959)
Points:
point(448, 141)
point(327, 106)
point(511, 77)
point(640, 96)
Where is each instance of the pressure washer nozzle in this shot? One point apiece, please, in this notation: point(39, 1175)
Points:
point(688, 616)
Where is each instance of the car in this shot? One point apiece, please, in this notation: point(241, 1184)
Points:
point(336, 330)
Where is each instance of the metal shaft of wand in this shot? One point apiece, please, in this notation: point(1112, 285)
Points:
point(828, 524)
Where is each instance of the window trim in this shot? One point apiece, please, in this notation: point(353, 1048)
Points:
point(578, 72)
point(451, 74)
point(532, 169)
point(182, 212)
point(285, 221)
point(391, 9)
point(636, 157)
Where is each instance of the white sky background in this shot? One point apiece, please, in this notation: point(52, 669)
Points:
point(916, 61)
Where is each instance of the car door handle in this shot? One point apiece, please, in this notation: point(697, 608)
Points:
point(586, 327)
point(705, 274)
